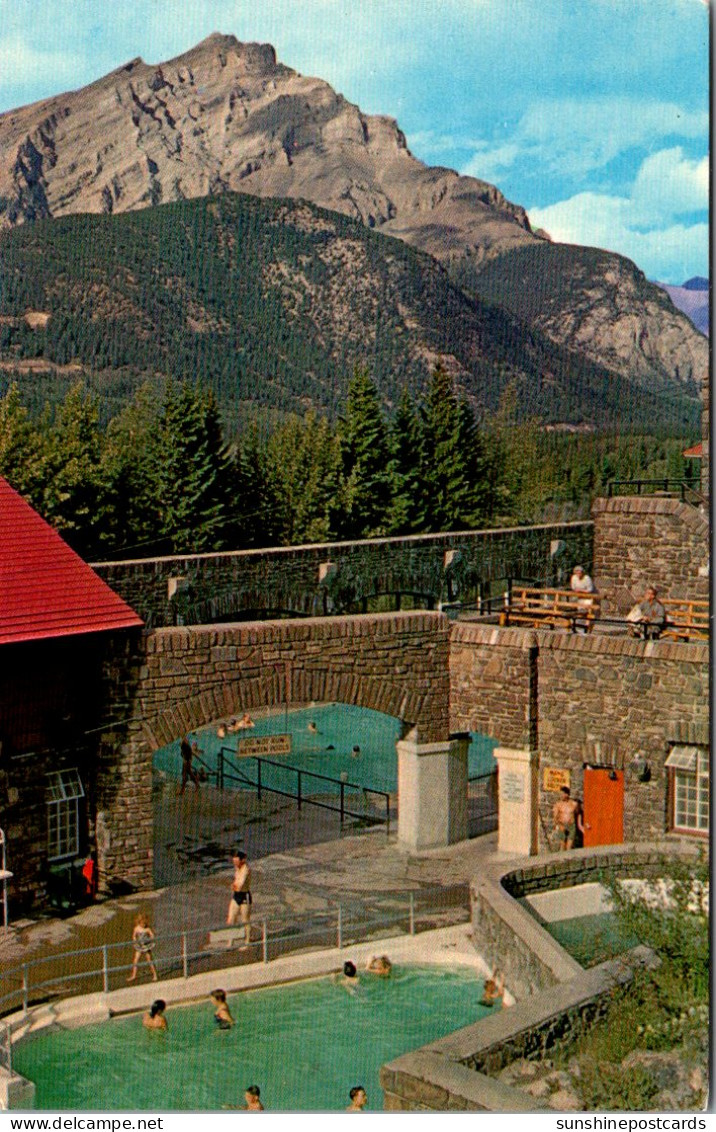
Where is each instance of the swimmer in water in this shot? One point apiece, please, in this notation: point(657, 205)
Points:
point(252, 1096)
point(359, 1099)
point(154, 1017)
point(245, 721)
point(494, 990)
point(221, 731)
point(312, 728)
point(380, 965)
point(350, 976)
point(222, 1014)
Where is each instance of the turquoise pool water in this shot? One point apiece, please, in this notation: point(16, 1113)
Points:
point(592, 939)
point(329, 751)
point(304, 1045)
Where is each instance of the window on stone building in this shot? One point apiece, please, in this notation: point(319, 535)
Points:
point(688, 767)
point(64, 792)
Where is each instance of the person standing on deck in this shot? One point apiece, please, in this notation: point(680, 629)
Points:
point(567, 817)
point(240, 903)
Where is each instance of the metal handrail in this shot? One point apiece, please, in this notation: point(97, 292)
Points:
point(179, 949)
point(680, 487)
point(301, 798)
point(6, 1048)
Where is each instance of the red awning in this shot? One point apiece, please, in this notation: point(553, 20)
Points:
point(694, 453)
point(46, 590)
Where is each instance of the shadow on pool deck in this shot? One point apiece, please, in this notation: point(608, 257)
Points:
point(293, 884)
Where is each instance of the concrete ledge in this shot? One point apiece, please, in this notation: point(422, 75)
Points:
point(432, 1082)
point(16, 1092)
point(453, 1073)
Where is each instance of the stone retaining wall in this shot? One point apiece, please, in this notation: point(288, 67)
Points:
point(453, 1073)
point(227, 585)
point(507, 935)
point(648, 540)
point(571, 696)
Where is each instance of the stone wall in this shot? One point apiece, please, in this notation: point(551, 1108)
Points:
point(509, 937)
point(184, 678)
point(227, 586)
point(648, 540)
point(50, 707)
point(571, 696)
point(453, 1073)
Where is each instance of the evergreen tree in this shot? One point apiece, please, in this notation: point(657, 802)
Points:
point(409, 505)
point(73, 495)
point(21, 448)
point(192, 473)
point(458, 478)
point(258, 514)
point(364, 497)
point(303, 476)
point(128, 471)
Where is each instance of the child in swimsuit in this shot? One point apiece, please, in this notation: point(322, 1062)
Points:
point(222, 1014)
point(142, 942)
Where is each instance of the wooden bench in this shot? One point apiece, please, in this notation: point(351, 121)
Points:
point(550, 607)
point(686, 619)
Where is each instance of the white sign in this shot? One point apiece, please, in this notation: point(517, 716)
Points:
point(512, 787)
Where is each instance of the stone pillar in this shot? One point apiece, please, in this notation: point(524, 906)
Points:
point(517, 777)
point(432, 793)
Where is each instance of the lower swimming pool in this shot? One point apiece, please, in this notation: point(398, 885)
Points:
point(329, 749)
point(305, 1045)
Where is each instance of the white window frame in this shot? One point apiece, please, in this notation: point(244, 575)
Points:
point(690, 789)
point(64, 791)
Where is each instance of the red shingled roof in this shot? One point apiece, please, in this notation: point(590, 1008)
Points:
point(46, 590)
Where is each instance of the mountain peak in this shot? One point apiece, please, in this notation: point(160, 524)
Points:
point(226, 116)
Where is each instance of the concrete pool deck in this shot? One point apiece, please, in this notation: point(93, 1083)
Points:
point(295, 884)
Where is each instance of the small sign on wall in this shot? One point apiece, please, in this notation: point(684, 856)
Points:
point(555, 777)
point(512, 787)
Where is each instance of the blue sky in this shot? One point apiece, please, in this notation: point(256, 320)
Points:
point(593, 114)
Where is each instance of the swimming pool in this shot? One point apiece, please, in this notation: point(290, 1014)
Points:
point(305, 1045)
point(329, 750)
point(592, 939)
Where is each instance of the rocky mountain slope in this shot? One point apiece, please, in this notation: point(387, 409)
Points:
point(596, 303)
point(273, 304)
point(227, 116)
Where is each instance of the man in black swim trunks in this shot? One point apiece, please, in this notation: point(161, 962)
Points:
point(240, 903)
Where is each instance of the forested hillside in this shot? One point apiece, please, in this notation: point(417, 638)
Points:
point(272, 305)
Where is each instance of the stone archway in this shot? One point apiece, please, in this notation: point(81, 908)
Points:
point(183, 678)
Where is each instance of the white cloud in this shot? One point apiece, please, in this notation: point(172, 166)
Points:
point(670, 184)
point(578, 135)
point(666, 250)
point(21, 63)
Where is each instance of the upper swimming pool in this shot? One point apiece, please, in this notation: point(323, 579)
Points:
point(305, 1045)
point(328, 750)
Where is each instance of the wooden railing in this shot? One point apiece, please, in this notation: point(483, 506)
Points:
point(686, 619)
point(539, 607)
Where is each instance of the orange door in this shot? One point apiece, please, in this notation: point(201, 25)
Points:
point(603, 806)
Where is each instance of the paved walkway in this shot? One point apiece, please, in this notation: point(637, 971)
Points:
point(292, 885)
